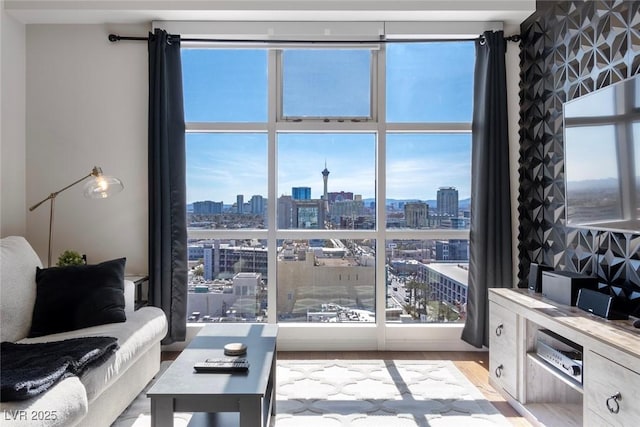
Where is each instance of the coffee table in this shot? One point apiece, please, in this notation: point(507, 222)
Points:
point(213, 396)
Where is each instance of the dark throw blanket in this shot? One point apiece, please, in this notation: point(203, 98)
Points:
point(27, 370)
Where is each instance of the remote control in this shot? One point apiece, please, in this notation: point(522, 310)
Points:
point(222, 365)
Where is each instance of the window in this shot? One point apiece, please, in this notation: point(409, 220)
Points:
point(325, 83)
point(329, 186)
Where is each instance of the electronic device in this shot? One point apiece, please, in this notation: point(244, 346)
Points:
point(616, 203)
point(599, 304)
point(222, 365)
point(563, 286)
point(235, 349)
point(560, 353)
point(535, 276)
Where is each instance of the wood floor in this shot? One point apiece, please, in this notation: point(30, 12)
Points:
point(474, 365)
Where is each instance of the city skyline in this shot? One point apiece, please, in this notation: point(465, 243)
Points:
point(405, 180)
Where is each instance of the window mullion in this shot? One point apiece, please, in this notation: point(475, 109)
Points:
point(381, 195)
point(212, 127)
point(272, 175)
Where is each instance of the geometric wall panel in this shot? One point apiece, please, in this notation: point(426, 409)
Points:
point(569, 49)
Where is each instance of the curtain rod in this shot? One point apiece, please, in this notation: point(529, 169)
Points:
point(116, 38)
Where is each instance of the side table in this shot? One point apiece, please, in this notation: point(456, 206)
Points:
point(142, 289)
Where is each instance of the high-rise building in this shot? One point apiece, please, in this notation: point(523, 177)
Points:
point(240, 203)
point(301, 193)
point(257, 204)
point(448, 201)
point(308, 214)
point(340, 196)
point(416, 214)
point(285, 212)
point(207, 207)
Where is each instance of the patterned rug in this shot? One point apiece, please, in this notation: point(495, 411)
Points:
point(371, 393)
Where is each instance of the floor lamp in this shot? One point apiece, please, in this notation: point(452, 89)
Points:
point(100, 186)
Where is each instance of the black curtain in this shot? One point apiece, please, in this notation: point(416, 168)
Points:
point(490, 264)
point(167, 184)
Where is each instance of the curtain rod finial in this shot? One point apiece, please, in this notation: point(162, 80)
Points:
point(114, 37)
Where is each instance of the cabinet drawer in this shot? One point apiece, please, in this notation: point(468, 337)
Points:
point(503, 338)
point(603, 379)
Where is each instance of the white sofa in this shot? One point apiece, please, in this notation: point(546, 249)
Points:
point(101, 394)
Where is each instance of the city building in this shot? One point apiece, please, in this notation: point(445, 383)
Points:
point(346, 208)
point(240, 203)
point(447, 199)
point(452, 250)
point(325, 279)
point(257, 205)
point(207, 207)
point(416, 214)
point(308, 214)
point(285, 212)
point(223, 260)
point(446, 282)
point(339, 196)
point(301, 193)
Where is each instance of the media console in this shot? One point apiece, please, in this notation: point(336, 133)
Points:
point(540, 391)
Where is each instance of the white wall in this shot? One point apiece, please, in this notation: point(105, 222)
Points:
point(86, 103)
point(13, 220)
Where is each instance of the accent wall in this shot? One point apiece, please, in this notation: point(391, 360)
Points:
point(569, 49)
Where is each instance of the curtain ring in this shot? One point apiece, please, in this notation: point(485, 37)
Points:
point(483, 40)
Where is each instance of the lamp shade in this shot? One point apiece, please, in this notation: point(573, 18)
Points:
point(101, 186)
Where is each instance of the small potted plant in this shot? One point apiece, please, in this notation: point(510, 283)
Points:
point(70, 258)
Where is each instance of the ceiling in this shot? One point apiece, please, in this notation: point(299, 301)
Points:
point(139, 11)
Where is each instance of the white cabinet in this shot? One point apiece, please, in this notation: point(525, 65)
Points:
point(503, 336)
point(611, 392)
point(611, 361)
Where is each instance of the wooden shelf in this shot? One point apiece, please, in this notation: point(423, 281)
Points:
point(555, 414)
point(564, 378)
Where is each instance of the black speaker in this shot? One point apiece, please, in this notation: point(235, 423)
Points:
point(599, 304)
point(535, 276)
point(563, 286)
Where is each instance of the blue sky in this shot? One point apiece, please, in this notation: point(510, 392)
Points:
point(231, 86)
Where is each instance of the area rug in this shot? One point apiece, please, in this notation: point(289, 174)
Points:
point(364, 393)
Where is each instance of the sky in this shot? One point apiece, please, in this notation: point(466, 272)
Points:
point(231, 86)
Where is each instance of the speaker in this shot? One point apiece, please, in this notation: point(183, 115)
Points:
point(563, 286)
point(535, 276)
point(599, 304)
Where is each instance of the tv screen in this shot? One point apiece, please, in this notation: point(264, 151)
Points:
point(602, 158)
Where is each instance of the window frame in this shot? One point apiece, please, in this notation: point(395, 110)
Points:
point(311, 336)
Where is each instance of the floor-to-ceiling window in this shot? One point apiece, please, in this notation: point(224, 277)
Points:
point(328, 186)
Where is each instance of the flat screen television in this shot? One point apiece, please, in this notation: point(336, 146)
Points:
point(602, 158)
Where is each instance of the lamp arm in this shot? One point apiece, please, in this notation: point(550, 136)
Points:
point(55, 194)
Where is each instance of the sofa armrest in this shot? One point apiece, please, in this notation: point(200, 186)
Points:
point(129, 296)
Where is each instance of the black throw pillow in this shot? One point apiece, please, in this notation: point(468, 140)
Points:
point(78, 296)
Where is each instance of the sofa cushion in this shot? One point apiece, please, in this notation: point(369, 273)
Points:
point(63, 405)
point(18, 262)
point(143, 329)
point(78, 296)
